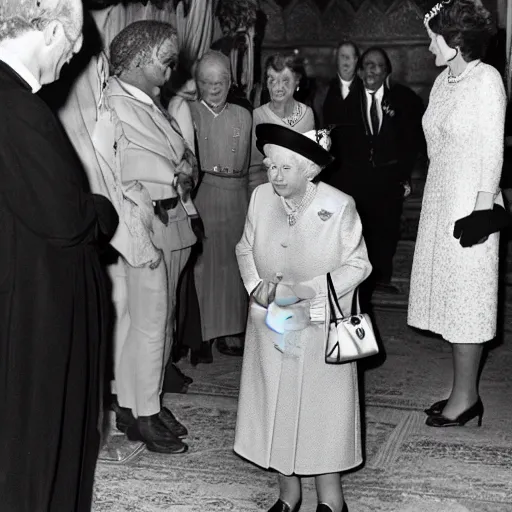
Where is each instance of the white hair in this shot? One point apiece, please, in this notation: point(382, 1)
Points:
point(20, 16)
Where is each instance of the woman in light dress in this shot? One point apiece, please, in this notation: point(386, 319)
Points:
point(454, 281)
point(282, 75)
point(297, 414)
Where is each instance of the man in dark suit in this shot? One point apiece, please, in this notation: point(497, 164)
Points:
point(342, 85)
point(376, 145)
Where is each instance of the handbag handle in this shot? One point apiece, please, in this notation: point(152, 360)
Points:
point(334, 298)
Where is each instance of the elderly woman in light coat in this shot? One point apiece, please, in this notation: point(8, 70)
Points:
point(297, 414)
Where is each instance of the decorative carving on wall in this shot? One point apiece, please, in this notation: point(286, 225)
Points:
point(328, 20)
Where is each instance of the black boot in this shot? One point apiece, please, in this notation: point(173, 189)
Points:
point(155, 435)
point(124, 416)
point(203, 355)
point(170, 421)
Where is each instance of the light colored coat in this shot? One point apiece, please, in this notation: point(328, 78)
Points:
point(140, 155)
point(297, 414)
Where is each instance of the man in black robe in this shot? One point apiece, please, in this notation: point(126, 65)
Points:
point(53, 295)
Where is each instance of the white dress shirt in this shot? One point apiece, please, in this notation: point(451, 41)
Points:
point(378, 98)
point(345, 86)
point(14, 63)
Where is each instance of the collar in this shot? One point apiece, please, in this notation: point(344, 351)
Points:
point(136, 92)
point(378, 95)
point(346, 83)
point(16, 65)
point(215, 114)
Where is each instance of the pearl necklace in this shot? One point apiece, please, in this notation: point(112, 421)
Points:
point(453, 79)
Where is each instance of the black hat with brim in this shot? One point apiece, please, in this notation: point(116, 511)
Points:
point(268, 133)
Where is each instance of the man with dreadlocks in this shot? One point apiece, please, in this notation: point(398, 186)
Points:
point(149, 172)
point(53, 293)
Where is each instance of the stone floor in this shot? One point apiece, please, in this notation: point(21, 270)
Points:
point(408, 467)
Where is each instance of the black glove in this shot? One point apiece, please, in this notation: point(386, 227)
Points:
point(477, 226)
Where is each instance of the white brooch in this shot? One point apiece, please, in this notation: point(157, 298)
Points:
point(321, 137)
point(324, 214)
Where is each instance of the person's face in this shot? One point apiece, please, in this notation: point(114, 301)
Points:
point(347, 61)
point(284, 172)
point(62, 40)
point(281, 84)
point(439, 48)
point(374, 71)
point(213, 80)
point(163, 61)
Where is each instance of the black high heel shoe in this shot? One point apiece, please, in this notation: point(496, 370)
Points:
point(477, 409)
point(281, 506)
point(436, 408)
point(323, 507)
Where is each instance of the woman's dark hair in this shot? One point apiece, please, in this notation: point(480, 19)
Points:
point(376, 49)
point(278, 62)
point(465, 24)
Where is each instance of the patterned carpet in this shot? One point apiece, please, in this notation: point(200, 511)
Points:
point(408, 467)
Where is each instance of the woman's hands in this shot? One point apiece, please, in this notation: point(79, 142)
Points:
point(265, 292)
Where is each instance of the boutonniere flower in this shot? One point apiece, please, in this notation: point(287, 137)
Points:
point(387, 109)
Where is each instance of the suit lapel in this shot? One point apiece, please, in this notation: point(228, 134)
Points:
point(364, 112)
point(385, 118)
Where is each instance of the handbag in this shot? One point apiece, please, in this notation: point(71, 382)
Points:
point(350, 337)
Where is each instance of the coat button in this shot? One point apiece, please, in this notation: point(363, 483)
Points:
point(284, 244)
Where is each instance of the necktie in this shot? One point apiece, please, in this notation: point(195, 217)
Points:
point(374, 115)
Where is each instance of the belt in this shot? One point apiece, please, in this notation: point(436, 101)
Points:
point(161, 207)
point(226, 171)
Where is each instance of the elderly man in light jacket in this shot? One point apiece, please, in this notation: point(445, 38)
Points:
point(148, 171)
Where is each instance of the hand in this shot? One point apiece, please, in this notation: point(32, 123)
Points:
point(475, 228)
point(265, 292)
point(185, 184)
point(156, 262)
point(287, 293)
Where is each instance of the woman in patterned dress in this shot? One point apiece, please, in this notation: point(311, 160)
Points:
point(282, 75)
point(297, 414)
point(454, 281)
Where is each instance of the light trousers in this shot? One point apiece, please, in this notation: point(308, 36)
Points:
point(145, 305)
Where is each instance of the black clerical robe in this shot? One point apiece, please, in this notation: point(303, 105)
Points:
point(53, 302)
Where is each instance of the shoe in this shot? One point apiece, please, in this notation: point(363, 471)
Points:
point(188, 380)
point(230, 350)
point(155, 435)
point(203, 355)
point(281, 506)
point(475, 410)
point(124, 417)
point(323, 507)
point(170, 421)
point(436, 408)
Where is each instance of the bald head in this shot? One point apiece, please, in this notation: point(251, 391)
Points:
point(213, 76)
point(214, 59)
point(20, 16)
